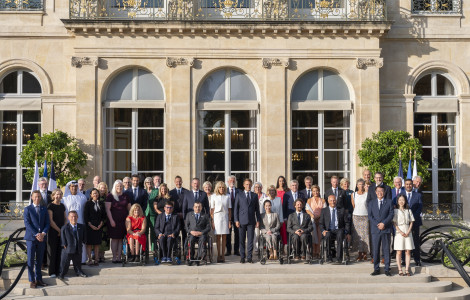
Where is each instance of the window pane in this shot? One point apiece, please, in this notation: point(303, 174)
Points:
point(31, 116)
point(150, 160)
point(427, 198)
point(423, 86)
point(300, 177)
point(334, 87)
point(9, 84)
point(243, 139)
point(120, 87)
point(150, 117)
point(8, 156)
point(327, 180)
point(446, 135)
point(213, 161)
point(213, 139)
point(306, 88)
point(444, 86)
point(447, 198)
point(241, 176)
point(7, 196)
point(446, 118)
point(118, 138)
point(121, 160)
point(336, 160)
point(241, 87)
point(336, 118)
point(305, 119)
point(26, 184)
point(243, 119)
point(30, 84)
point(427, 185)
point(148, 87)
point(119, 117)
point(304, 139)
point(423, 133)
point(243, 161)
point(213, 87)
point(427, 154)
point(211, 119)
point(115, 176)
point(446, 181)
point(8, 134)
point(305, 160)
point(29, 130)
point(7, 180)
point(26, 195)
point(212, 178)
point(336, 139)
point(150, 139)
point(422, 118)
point(446, 158)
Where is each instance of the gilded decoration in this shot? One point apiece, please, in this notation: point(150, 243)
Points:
point(269, 62)
point(364, 63)
point(21, 5)
point(172, 62)
point(78, 62)
point(437, 6)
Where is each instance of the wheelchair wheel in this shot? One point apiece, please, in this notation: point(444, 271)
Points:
point(263, 261)
point(281, 261)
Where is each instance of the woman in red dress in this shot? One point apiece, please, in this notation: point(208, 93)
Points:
point(281, 188)
point(135, 225)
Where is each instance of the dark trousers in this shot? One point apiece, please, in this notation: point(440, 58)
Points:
point(76, 258)
point(381, 239)
point(416, 252)
point(35, 251)
point(236, 242)
point(300, 243)
point(166, 245)
point(337, 235)
point(54, 250)
point(200, 240)
point(246, 231)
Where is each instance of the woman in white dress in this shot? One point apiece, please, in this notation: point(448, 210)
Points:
point(403, 221)
point(221, 210)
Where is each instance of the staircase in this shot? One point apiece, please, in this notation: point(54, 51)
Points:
point(233, 280)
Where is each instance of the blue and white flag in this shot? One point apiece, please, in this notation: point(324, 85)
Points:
point(415, 170)
point(44, 174)
point(400, 170)
point(35, 177)
point(52, 180)
point(410, 171)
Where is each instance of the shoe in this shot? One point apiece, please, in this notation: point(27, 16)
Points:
point(302, 258)
point(237, 253)
point(242, 260)
point(60, 277)
point(372, 261)
point(53, 276)
point(382, 261)
point(136, 258)
point(40, 283)
point(32, 284)
point(114, 262)
point(418, 264)
point(82, 275)
point(329, 260)
point(387, 273)
point(375, 273)
point(250, 260)
point(228, 254)
point(297, 257)
point(169, 259)
point(197, 263)
point(89, 262)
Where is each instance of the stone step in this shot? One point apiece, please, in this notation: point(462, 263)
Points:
point(163, 290)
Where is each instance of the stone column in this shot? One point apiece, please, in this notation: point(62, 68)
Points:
point(464, 157)
point(409, 102)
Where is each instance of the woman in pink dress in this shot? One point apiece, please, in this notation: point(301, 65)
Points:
point(281, 188)
point(313, 208)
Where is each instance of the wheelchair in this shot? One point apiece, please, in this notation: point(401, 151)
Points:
point(291, 249)
point(126, 252)
point(264, 251)
point(208, 256)
point(175, 253)
point(332, 248)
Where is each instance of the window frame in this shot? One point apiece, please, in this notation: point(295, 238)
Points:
point(19, 82)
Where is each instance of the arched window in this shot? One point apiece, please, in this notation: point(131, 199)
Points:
point(20, 82)
point(134, 125)
point(321, 107)
point(434, 84)
point(227, 131)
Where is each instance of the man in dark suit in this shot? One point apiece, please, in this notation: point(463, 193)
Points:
point(247, 217)
point(336, 191)
point(290, 197)
point(195, 195)
point(307, 192)
point(299, 225)
point(397, 190)
point(381, 217)
point(72, 235)
point(416, 205)
point(198, 225)
point(334, 224)
point(233, 192)
point(177, 196)
point(127, 183)
point(379, 181)
point(139, 195)
point(167, 228)
point(36, 221)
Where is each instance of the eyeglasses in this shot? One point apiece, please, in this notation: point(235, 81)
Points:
point(169, 207)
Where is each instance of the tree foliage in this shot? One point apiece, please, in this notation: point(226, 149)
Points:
point(57, 146)
point(381, 154)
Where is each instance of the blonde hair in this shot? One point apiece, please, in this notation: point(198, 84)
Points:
point(218, 185)
point(207, 183)
point(56, 191)
point(343, 181)
point(105, 185)
point(134, 206)
point(167, 196)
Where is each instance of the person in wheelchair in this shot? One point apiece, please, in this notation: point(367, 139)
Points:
point(136, 225)
point(269, 228)
point(334, 224)
point(299, 227)
point(167, 227)
point(198, 226)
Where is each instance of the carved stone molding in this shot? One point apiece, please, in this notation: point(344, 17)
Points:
point(78, 62)
point(364, 63)
point(172, 62)
point(269, 62)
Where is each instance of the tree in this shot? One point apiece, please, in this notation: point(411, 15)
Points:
point(57, 146)
point(381, 154)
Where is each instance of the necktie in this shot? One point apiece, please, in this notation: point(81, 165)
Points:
point(167, 218)
point(179, 192)
point(97, 207)
point(333, 219)
point(197, 218)
point(295, 196)
point(380, 204)
point(195, 195)
point(246, 194)
point(408, 197)
point(232, 194)
point(298, 217)
point(37, 209)
point(308, 194)
point(336, 193)
point(135, 193)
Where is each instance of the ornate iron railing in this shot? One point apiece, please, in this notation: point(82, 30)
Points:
point(220, 10)
point(21, 5)
point(442, 211)
point(14, 246)
point(437, 6)
point(12, 210)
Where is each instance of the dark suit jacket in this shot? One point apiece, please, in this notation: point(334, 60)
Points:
point(35, 223)
point(384, 215)
point(203, 224)
point(416, 206)
point(69, 241)
point(344, 222)
point(178, 199)
point(167, 228)
point(246, 210)
point(340, 200)
point(304, 193)
point(93, 216)
point(188, 202)
point(142, 197)
point(45, 201)
point(288, 205)
point(293, 223)
point(395, 196)
point(233, 200)
point(372, 195)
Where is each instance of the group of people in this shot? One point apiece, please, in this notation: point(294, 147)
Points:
point(80, 225)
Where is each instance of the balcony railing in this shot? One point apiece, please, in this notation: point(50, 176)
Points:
point(437, 6)
point(442, 211)
point(21, 5)
point(233, 10)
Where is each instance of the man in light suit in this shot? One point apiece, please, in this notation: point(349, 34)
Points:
point(379, 181)
point(233, 192)
point(167, 228)
point(416, 206)
point(36, 221)
point(72, 235)
point(381, 217)
point(247, 217)
point(397, 190)
point(290, 197)
point(338, 192)
point(198, 226)
point(334, 223)
point(299, 225)
point(195, 195)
